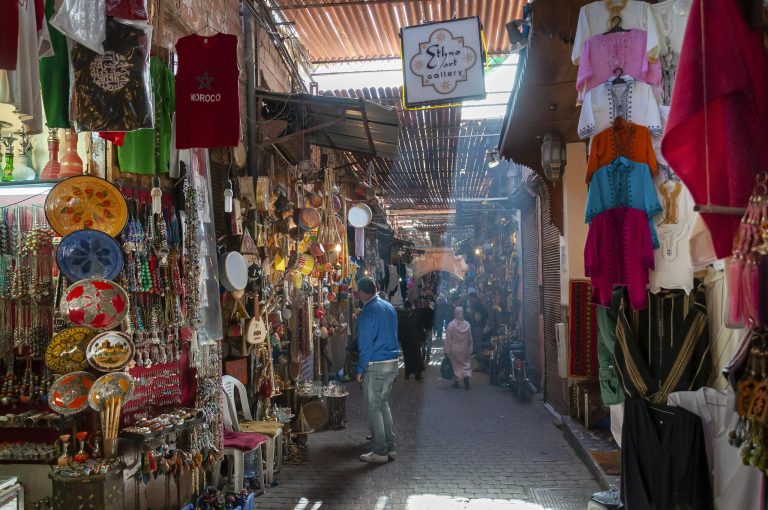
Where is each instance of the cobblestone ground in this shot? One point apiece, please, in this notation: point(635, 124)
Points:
point(479, 449)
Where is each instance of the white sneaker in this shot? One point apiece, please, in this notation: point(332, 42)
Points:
point(392, 455)
point(373, 458)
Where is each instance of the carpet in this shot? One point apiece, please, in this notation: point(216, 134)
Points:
point(582, 332)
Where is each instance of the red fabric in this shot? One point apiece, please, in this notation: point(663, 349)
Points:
point(39, 14)
point(207, 88)
point(127, 9)
point(243, 441)
point(736, 105)
point(619, 251)
point(9, 33)
point(582, 332)
point(116, 137)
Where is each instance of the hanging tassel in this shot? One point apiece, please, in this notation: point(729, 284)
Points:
point(157, 196)
point(735, 292)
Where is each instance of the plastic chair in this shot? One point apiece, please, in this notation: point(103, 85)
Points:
point(274, 449)
point(237, 444)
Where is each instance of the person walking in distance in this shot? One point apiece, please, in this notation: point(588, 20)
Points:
point(458, 347)
point(377, 368)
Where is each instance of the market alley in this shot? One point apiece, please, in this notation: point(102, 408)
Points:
point(480, 449)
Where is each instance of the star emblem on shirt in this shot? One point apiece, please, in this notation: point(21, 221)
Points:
point(204, 81)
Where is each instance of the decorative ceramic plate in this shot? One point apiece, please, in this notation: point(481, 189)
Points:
point(69, 394)
point(86, 202)
point(116, 384)
point(96, 303)
point(89, 254)
point(111, 350)
point(66, 352)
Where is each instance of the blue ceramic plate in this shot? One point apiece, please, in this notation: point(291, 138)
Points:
point(89, 254)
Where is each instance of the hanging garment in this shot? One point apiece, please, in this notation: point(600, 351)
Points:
point(610, 386)
point(207, 101)
point(724, 341)
point(633, 100)
point(623, 183)
point(54, 76)
point(605, 54)
point(595, 18)
point(619, 251)
point(111, 92)
point(671, 19)
point(9, 35)
point(664, 348)
point(734, 485)
point(20, 89)
point(663, 459)
point(702, 247)
point(621, 139)
point(83, 21)
point(718, 164)
point(674, 269)
point(148, 151)
point(135, 10)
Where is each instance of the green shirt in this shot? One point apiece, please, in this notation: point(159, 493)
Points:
point(54, 76)
point(148, 151)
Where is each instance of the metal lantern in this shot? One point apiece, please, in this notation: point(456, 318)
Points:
point(553, 157)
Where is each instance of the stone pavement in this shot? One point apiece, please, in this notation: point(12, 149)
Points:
point(480, 449)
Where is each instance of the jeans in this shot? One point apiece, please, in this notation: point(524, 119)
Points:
point(378, 380)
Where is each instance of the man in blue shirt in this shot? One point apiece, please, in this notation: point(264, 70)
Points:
point(377, 367)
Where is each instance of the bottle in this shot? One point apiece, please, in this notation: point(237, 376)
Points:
point(71, 164)
point(8, 170)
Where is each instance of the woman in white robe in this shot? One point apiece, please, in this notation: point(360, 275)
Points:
point(458, 347)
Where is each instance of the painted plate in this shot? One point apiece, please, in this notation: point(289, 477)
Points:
point(85, 202)
point(116, 384)
point(66, 352)
point(96, 303)
point(89, 254)
point(111, 350)
point(69, 394)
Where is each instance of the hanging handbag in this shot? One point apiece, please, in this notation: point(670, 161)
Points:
point(446, 368)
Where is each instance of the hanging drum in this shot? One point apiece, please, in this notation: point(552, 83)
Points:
point(305, 264)
point(359, 215)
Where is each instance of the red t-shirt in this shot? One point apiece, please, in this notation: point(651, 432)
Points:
point(127, 9)
point(9, 33)
point(207, 101)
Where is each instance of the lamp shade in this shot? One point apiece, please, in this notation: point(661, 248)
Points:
point(553, 157)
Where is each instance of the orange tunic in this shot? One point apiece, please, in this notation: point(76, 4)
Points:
point(624, 138)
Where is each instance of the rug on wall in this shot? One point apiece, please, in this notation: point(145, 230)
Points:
point(582, 331)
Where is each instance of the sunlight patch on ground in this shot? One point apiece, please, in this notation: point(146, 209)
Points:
point(304, 504)
point(436, 502)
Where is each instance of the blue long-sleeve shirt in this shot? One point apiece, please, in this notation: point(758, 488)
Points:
point(377, 333)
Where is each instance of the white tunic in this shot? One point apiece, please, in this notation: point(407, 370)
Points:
point(633, 100)
point(674, 269)
point(20, 89)
point(593, 20)
point(723, 341)
point(671, 19)
point(735, 486)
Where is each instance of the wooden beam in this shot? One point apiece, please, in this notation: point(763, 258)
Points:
point(367, 127)
point(304, 132)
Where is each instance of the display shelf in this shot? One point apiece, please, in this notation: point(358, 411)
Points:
point(42, 183)
point(175, 429)
point(51, 462)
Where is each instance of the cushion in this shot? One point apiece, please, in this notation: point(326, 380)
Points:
point(268, 428)
point(243, 441)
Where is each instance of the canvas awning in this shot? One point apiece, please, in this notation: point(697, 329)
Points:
point(347, 124)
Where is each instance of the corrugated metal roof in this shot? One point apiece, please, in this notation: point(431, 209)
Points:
point(441, 157)
point(343, 30)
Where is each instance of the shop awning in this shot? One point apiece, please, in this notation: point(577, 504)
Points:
point(348, 124)
point(439, 259)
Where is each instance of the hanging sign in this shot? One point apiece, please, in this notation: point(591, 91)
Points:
point(443, 62)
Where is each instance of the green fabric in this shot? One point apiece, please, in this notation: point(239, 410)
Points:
point(54, 76)
point(148, 151)
point(610, 386)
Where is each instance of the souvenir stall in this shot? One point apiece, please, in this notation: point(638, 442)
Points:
point(661, 220)
point(111, 320)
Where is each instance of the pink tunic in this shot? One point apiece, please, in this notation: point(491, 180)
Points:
point(619, 251)
point(605, 53)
